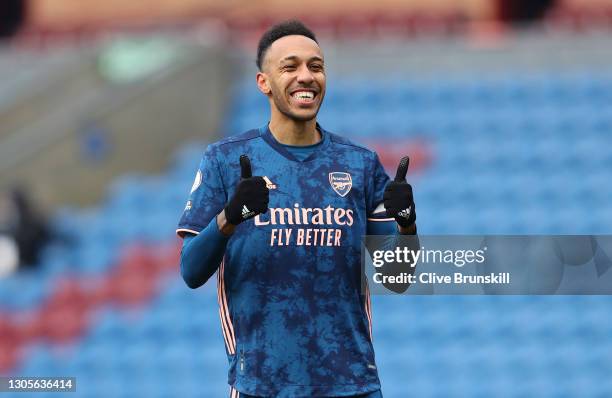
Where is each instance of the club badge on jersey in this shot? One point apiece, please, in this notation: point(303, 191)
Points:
point(341, 182)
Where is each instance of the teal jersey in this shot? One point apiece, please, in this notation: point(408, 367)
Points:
point(294, 318)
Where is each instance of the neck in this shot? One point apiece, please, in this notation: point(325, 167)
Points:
point(293, 132)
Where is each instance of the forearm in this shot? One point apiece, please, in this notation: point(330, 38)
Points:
point(223, 225)
point(393, 236)
point(202, 254)
point(396, 269)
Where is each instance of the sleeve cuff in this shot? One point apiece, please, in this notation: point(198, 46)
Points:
point(211, 231)
point(182, 230)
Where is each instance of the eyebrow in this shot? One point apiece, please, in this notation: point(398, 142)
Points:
point(296, 58)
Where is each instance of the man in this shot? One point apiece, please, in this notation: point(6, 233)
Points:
point(22, 223)
point(286, 242)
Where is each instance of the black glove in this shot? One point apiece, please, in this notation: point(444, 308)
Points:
point(398, 199)
point(250, 198)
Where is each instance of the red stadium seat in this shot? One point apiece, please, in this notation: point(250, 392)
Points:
point(64, 323)
point(8, 356)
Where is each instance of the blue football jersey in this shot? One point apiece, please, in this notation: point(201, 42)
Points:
point(293, 316)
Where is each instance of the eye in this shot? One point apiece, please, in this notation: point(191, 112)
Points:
point(289, 67)
point(316, 67)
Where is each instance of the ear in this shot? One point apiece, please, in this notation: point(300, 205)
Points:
point(262, 83)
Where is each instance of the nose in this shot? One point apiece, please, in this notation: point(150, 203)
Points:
point(304, 75)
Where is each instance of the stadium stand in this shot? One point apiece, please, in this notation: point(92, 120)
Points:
point(79, 109)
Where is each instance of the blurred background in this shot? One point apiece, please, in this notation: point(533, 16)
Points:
point(505, 108)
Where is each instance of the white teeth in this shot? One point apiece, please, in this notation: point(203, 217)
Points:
point(303, 95)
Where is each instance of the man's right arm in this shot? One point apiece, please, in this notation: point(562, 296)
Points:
point(201, 254)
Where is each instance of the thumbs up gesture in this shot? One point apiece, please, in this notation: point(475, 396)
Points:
point(398, 199)
point(250, 198)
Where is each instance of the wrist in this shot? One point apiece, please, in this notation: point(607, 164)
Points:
point(410, 230)
point(224, 225)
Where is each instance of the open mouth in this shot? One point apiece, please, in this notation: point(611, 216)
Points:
point(304, 97)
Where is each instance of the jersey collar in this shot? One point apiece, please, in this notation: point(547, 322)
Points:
point(266, 134)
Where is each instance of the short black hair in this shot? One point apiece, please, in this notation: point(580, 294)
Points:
point(282, 29)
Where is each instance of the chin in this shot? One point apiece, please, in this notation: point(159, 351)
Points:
point(303, 118)
point(305, 115)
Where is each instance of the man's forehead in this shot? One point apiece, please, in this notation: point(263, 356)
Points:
point(294, 46)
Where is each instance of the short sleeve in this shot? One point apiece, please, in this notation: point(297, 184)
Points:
point(377, 180)
point(207, 197)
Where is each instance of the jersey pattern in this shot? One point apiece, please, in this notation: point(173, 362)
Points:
point(293, 317)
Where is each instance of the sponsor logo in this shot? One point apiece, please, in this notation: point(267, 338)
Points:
point(341, 182)
point(405, 213)
point(319, 226)
point(269, 184)
point(246, 213)
point(188, 205)
point(305, 216)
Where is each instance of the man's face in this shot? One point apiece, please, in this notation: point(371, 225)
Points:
point(293, 76)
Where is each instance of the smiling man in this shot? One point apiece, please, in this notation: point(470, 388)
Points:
point(286, 243)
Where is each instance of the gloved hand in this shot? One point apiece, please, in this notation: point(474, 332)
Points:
point(398, 199)
point(250, 198)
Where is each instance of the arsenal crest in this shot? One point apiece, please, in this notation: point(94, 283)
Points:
point(340, 182)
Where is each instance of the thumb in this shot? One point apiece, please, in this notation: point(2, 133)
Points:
point(245, 167)
point(402, 169)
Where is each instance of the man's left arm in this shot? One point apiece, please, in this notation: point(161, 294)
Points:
point(391, 212)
